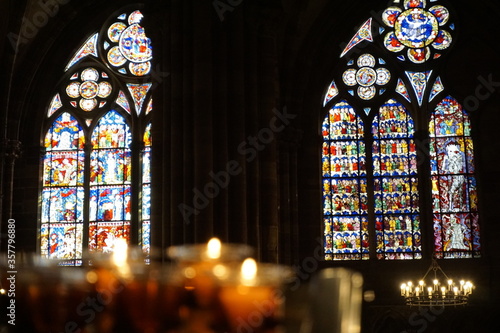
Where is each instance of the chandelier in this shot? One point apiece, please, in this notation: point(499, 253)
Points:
point(435, 292)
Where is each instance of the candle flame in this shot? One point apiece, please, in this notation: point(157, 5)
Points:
point(120, 258)
point(249, 270)
point(120, 252)
point(214, 248)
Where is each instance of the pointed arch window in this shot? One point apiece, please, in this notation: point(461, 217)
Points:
point(377, 193)
point(96, 166)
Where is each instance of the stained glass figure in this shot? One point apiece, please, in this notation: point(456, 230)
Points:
point(364, 33)
point(456, 226)
point(344, 185)
point(418, 30)
point(395, 184)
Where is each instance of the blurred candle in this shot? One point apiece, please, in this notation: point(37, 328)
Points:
point(214, 248)
point(248, 272)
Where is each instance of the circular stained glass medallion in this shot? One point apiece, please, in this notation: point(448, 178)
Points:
point(443, 40)
point(115, 57)
point(134, 45)
point(367, 93)
point(366, 60)
point(89, 89)
point(416, 28)
point(88, 104)
point(115, 31)
point(349, 77)
point(140, 69)
point(366, 76)
point(383, 76)
point(392, 43)
point(135, 17)
point(73, 90)
point(419, 55)
point(89, 74)
point(414, 3)
point(390, 15)
point(441, 13)
point(104, 89)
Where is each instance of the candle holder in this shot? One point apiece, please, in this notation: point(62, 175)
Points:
point(436, 293)
point(50, 298)
point(212, 252)
point(201, 309)
point(135, 296)
point(251, 295)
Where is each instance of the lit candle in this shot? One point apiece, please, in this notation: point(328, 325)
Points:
point(450, 284)
point(436, 283)
point(249, 292)
point(429, 289)
point(214, 248)
point(248, 272)
point(417, 291)
point(120, 258)
point(455, 291)
point(403, 289)
point(443, 291)
point(410, 284)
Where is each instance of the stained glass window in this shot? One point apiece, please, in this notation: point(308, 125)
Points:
point(344, 184)
point(454, 194)
point(377, 193)
point(146, 191)
point(94, 122)
point(63, 192)
point(397, 219)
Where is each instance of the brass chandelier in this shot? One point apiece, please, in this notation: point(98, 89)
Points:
point(436, 292)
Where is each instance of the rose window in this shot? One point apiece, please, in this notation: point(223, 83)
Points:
point(417, 30)
point(89, 90)
point(129, 48)
point(366, 77)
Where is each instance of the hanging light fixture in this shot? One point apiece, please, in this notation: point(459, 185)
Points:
point(436, 292)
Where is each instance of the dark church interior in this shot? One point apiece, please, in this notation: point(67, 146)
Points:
point(238, 88)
